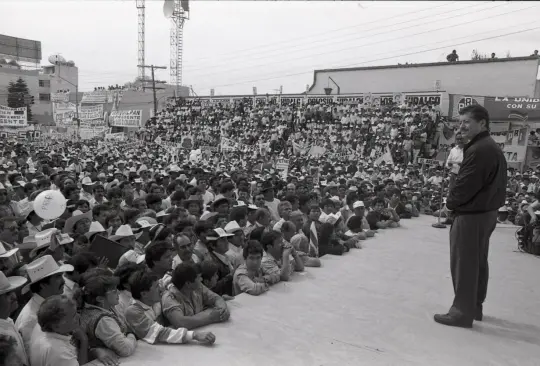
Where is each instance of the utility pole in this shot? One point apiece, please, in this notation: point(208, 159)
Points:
point(152, 67)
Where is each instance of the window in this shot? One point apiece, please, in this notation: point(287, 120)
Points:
point(45, 83)
point(45, 97)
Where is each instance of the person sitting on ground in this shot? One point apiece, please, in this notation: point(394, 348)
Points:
point(301, 242)
point(123, 273)
point(249, 277)
point(144, 315)
point(103, 326)
point(279, 261)
point(218, 246)
point(328, 242)
point(52, 344)
point(188, 303)
point(381, 218)
point(159, 259)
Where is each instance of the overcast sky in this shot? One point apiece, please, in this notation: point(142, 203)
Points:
point(233, 46)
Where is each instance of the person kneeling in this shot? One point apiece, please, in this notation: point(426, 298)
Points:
point(145, 318)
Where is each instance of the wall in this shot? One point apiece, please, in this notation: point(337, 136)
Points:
point(514, 76)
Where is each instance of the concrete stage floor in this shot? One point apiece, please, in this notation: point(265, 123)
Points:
point(375, 306)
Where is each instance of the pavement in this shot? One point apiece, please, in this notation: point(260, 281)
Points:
point(375, 306)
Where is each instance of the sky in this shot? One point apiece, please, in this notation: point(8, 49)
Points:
point(233, 46)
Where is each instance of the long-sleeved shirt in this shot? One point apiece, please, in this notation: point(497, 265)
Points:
point(145, 321)
point(243, 282)
point(7, 327)
point(52, 349)
point(455, 157)
point(27, 320)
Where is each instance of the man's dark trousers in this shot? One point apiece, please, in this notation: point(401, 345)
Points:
point(469, 247)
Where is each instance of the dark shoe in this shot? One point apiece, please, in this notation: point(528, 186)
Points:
point(452, 320)
point(448, 222)
point(479, 314)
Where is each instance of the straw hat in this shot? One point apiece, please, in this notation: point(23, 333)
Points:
point(70, 223)
point(124, 231)
point(7, 253)
point(8, 284)
point(95, 227)
point(45, 267)
point(218, 233)
point(232, 227)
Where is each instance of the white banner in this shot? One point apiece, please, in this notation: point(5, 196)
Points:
point(119, 136)
point(125, 118)
point(91, 112)
point(96, 97)
point(59, 97)
point(13, 117)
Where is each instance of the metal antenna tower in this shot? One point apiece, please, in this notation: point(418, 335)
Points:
point(179, 15)
point(141, 38)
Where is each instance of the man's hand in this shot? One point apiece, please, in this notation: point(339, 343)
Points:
point(224, 314)
point(103, 262)
point(106, 356)
point(259, 280)
point(204, 337)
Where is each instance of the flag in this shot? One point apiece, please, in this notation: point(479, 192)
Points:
point(386, 157)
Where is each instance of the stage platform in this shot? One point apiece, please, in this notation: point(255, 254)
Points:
point(375, 306)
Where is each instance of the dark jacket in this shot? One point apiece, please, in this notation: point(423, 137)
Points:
point(481, 181)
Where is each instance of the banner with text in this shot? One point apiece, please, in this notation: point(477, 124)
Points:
point(131, 118)
point(95, 97)
point(13, 117)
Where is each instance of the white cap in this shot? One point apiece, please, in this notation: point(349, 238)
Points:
point(232, 227)
point(358, 204)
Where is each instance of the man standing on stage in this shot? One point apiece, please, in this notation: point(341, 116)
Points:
point(478, 193)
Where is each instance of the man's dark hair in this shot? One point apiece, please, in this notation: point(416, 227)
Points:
point(252, 247)
point(201, 227)
point(237, 214)
point(208, 269)
point(477, 112)
point(183, 273)
point(153, 198)
point(268, 238)
point(125, 271)
point(141, 281)
point(155, 251)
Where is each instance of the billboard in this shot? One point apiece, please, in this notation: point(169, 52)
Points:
point(13, 117)
point(20, 49)
point(131, 118)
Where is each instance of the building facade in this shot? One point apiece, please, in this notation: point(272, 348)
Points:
point(507, 76)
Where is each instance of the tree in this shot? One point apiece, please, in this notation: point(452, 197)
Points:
point(19, 96)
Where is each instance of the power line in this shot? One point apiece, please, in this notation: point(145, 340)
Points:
point(249, 50)
point(385, 58)
point(360, 46)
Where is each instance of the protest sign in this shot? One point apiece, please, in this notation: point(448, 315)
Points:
point(130, 118)
point(13, 117)
point(91, 112)
point(424, 161)
point(95, 97)
point(283, 166)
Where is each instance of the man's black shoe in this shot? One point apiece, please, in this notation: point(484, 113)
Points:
point(479, 314)
point(452, 320)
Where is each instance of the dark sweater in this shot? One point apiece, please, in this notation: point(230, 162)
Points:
point(481, 181)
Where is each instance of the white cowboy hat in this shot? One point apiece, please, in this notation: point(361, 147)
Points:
point(7, 253)
point(124, 231)
point(232, 227)
point(146, 222)
point(43, 240)
point(8, 284)
point(95, 227)
point(44, 267)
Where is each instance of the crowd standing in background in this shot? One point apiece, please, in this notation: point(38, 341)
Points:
point(209, 201)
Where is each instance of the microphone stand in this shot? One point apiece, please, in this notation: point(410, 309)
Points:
point(439, 224)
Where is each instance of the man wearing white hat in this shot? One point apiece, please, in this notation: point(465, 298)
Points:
point(46, 279)
point(87, 188)
point(8, 304)
point(236, 243)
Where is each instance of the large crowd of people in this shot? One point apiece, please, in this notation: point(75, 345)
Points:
point(195, 211)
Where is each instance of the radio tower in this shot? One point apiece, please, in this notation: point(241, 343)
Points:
point(178, 12)
point(141, 26)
